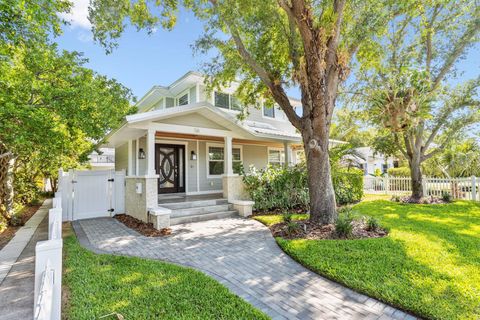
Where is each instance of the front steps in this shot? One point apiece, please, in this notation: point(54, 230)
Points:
point(199, 210)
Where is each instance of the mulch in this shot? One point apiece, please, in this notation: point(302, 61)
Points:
point(424, 200)
point(10, 231)
point(313, 231)
point(141, 227)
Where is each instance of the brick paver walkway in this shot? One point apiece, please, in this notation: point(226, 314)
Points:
point(242, 255)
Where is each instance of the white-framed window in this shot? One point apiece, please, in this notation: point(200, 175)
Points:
point(276, 156)
point(273, 111)
point(216, 160)
point(183, 99)
point(226, 101)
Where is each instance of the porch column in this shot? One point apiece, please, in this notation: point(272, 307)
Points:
point(228, 156)
point(130, 158)
point(151, 152)
point(288, 153)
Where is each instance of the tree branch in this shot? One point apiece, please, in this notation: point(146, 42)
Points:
point(458, 49)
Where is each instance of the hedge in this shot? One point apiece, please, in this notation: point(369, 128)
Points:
point(286, 188)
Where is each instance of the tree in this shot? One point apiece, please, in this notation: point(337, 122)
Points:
point(409, 90)
point(53, 110)
point(350, 125)
point(268, 46)
point(462, 159)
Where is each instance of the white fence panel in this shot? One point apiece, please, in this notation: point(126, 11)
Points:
point(90, 194)
point(48, 269)
point(458, 188)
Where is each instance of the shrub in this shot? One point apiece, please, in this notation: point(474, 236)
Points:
point(372, 224)
point(287, 217)
point(348, 185)
point(395, 198)
point(343, 225)
point(292, 228)
point(399, 172)
point(286, 188)
point(446, 197)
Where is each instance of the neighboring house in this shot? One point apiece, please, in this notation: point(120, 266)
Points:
point(184, 140)
point(103, 161)
point(368, 160)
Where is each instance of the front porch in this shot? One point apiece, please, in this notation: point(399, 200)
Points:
point(183, 198)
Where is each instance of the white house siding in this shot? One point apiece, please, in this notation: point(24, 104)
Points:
point(121, 157)
point(256, 114)
point(206, 184)
point(193, 94)
point(193, 120)
point(169, 102)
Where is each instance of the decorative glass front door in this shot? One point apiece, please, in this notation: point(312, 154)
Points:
point(170, 166)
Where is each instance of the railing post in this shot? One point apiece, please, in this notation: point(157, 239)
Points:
point(55, 223)
point(474, 188)
point(386, 184)
point(424, 186)
point(49, 253)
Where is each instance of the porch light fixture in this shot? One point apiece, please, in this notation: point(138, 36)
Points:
point(141, 154)
point(193, 155)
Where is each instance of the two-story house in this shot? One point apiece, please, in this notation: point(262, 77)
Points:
point(186, 141)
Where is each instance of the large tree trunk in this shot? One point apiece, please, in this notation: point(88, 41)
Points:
point(322, 195)
point(416, 175)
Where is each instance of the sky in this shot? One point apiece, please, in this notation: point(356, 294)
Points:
point(142, 61)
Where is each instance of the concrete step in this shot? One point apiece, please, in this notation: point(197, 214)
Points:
point(203, 217)
point(193, 211)
point(192, 204)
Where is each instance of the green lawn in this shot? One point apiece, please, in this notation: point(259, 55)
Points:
point(429, 264)
point(136, 288)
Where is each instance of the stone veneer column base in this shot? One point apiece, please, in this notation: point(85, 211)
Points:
point(234, 188)
point(137, 204)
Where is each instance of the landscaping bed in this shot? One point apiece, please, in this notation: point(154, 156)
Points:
point(141, 227)
point(24, 215)
point(118, 287)
point(428, 265)
point(313, 231)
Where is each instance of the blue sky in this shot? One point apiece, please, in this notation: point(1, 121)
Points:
point(142, 60)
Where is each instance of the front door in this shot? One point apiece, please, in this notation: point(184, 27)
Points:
point(170, 166)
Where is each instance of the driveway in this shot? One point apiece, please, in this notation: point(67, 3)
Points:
point(241, 254)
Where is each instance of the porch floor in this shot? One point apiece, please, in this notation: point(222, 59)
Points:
point(181, 197)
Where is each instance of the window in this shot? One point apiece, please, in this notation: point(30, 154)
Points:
point(216, 160)
point(227, 101)
point(237, 160)
point(271, 110)
point(276, 156)
point(183, 100)
point(268, 110)
point(222, 100)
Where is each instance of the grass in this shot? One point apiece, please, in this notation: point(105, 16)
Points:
point(99, 285)
point(269, 219)
point(429, 264)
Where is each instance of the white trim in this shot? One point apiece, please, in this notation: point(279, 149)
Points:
point(181, 94)
point(198, 166)
point(218, 176)
point(175, 128)
point(137, 162)
point(197, 92)
point(203, 192)
point(185, 156)
point(130, 157)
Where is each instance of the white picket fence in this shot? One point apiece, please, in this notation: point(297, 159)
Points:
point(48, 268)
point(458, 188)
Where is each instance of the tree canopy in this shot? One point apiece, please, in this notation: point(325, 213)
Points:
point(410, 89)
point(53, 110)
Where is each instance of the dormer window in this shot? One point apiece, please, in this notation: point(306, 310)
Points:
point(271, 110)
point(227, 101)
point(183, 100)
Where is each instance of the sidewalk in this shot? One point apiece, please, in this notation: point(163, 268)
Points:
point(17, 267)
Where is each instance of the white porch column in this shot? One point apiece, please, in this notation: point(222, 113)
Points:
point(288, 154)
point(151, 152)
point(130, 158)
point(137, 150)
point(228, 156)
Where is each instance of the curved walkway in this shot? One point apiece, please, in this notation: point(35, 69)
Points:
point(242, 255)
